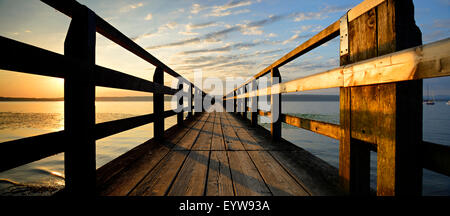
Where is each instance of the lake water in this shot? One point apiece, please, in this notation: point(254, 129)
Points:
point(44, 177)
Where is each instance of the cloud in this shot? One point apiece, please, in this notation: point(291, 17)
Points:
point(225, 48)
point(214, 36)
point(271, 35)
point(130, 7)
point(191, 26)
point(149, 16)
point(222, 10)
point(322, 14)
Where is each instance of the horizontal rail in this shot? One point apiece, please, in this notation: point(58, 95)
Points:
point(436, 158)
point(33, 60)
point(22, 151)
point(322, 37)
point(104, 28)
point(324, 128)
point(106, 77)
point(26, 58)
point(106, 129)
point(421, 62)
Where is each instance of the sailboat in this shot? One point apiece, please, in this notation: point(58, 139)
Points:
point(429, 101)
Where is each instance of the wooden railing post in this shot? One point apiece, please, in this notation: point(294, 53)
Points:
point(158, 106)
point(234, 102)
point(275, 103)
point(387, 115)
point(180, 115)
point(254, 105)
point(79, 105)
point(190, 99)
point(245, 104)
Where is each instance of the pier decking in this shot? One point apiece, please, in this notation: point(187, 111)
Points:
point(215, 154)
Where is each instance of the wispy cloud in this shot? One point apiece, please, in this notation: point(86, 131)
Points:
point(149, 16)
point(130, 7)
point(322, 14)
point(214, 36)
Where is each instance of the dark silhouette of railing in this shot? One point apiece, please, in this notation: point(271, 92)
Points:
point(80, 73)
point(380, 81)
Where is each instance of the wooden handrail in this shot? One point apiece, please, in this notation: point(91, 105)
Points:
point(421, 62)
point(52, 64)
point(26, 150)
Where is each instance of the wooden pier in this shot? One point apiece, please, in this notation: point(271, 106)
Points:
point(216, 154)
point(383, 63)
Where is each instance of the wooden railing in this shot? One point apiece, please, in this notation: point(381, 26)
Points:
point(81, 75)
point(380, 81)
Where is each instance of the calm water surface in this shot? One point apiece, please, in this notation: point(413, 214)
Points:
point(23, 119)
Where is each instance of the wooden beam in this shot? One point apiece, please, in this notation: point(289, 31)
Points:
point(79, 105)
point(275, 107)
point(436, 158)
point(254, 105)
point(158, 105)
point(26, 150)
point(180, 115)
point(421, 62)
point(324, 128)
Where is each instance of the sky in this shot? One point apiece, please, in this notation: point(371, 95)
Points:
point(223, 39)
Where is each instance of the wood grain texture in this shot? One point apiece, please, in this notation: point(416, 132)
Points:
point(276, 178)
point(217, 138)
point(191, 180)
point(246, 178)
point(231, 139)
point(219, 175)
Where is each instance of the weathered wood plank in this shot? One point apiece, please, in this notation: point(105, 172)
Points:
point(191, 180)
point(217, 139)
point(219, 175)
point(158, 181)
point(246, 179)
point(119, 176)
point(324, 128)
point(232, 142)
point(316, 176)
point(436, 158)
point(205, 136)
point(191, 137)
point(241, 131)
point(276, 178)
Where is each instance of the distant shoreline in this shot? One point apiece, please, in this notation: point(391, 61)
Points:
point(169, 98)
point(304, 97)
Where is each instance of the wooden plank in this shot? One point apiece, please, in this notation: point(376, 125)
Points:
point(362, 8)
point(324, 128)
point(106, 77)
point(247, 141)
point(205, 136)
point(421, 62)
point(246, 179)
point(399, 170)
point(218, 143)
point(316, 176)
point(122, 167)
point(158, 181)
point(191, 180)
point(79, 106)
point(158, 105)
point(219, 175)
point(232, 142)
point(191, 137)
point(275, 107)
point(276, 178)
